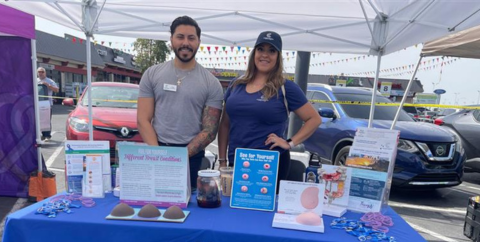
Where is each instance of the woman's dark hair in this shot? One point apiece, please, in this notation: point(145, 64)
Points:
point(184, 20)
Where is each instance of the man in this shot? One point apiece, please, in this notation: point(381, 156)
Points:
point(52, 87)
point(183, 99)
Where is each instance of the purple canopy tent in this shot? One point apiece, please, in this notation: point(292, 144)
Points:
point(18, 92)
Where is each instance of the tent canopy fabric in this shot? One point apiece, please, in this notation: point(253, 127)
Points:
point(465, 44)
point(343, 26)
point(18, 154)
point(16, 23)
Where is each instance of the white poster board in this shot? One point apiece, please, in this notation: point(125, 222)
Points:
point(373, 152)
point(157, 175)
point(76, 153)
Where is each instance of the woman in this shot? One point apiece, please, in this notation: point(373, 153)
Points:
point(255, 113)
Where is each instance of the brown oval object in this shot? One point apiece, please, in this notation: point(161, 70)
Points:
point(309, 197)
point(122, 210)
point(174, 212)
point(149, 211)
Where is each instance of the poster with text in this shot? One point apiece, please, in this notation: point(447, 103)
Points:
point(76, 154)
point(254, 179)
point(367, 190)
point(337, 181)
point(158, 175)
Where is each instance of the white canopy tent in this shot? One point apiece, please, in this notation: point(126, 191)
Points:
point(376, 27)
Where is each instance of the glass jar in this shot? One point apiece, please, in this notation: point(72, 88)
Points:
point(209, 194)
point(226, 177)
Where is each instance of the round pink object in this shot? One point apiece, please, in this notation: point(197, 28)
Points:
point(265, 178)
point(309, 197)
point(309, 218)
point(266, 166)
point(263, 190)
point(244, 188)
point(245, 176)
point(246, 164)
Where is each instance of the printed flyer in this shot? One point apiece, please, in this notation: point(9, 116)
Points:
point(92, 176)
point(367, 190)
point(373, 149)
point(374, 152)
point(76, 154)
point(158, 175)
point(254, 179)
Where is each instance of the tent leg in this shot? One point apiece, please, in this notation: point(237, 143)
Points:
point(37, 112)
point(374, 90)
point(301, 78)
point(89, 85)
point(405, 95)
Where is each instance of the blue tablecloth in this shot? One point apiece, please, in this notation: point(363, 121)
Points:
point(202, 225)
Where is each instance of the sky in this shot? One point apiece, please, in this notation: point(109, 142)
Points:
point(458, 76)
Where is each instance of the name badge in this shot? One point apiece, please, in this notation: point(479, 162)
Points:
point(169, 87)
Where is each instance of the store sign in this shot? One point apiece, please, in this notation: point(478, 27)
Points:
point(47, 66)
point(119, 59)
point(394, 92)
point(341, 83)
point(386, 88)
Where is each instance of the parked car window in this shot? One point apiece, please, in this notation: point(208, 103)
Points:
point(476, 115)
point(321, 96)
point(447, 111)
point(363, 111)
point(118, 97)
point(410, 109)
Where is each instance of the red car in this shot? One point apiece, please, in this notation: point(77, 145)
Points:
point(114, 113)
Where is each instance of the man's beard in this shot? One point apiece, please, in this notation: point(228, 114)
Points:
point(182, 59)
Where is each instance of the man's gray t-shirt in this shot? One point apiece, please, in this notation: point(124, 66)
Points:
point(178, 114)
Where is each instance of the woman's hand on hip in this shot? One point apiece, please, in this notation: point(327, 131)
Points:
point(276, 141)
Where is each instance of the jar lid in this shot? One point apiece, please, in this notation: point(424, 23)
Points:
point(208, 173)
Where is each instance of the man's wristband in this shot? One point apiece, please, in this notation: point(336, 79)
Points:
point(290, 143)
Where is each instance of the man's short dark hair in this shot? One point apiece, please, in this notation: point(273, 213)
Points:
point(185, 20)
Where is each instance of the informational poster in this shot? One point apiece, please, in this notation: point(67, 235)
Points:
point(254, 179)
point(75, 156)
point(92, 176)
point(341, 83)
point(158, 175)
point(373, 149)
point(337, 181)
point(300, 197)
point(367, 190)
point(373, 152)
point(297, 200)
point(386, 89)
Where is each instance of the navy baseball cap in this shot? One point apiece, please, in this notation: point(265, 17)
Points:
point(272, 38)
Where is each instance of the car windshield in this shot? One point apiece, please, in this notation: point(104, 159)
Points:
point(363, 111)
point(108, 96)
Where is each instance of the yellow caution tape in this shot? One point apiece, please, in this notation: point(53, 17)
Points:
point(93, 99)
point(397, 104)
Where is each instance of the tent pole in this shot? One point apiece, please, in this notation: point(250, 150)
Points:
point(35, 101)
point(89, 84)
point(374, 89)
point(405, 95)
point(301, 78)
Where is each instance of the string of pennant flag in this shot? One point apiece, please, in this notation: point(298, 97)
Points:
point(237, 57)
